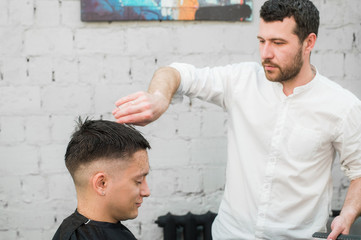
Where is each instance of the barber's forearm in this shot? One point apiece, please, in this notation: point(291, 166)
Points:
point(166, 81)
point(352, 206)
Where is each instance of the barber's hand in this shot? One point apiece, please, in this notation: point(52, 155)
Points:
point(140, 108)
point(339, 226)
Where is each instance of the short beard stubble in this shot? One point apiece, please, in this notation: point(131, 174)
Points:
point(286, 73)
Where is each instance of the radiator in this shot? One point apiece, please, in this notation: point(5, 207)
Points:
point(186, 227)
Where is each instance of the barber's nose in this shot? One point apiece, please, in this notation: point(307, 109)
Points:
point(266, 51)
point(144, 191)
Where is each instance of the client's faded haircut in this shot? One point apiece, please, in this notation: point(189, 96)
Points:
point(101, 139)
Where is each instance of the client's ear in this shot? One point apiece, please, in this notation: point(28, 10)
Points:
point(99, 183)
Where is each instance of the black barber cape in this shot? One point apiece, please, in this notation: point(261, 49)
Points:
point(78, 227)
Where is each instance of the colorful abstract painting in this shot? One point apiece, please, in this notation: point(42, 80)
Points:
point(163, 10)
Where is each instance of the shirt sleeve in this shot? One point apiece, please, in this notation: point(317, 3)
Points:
point(348, 143)
point(208, 84)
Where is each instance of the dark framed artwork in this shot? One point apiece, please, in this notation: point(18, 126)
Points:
point(166, 10)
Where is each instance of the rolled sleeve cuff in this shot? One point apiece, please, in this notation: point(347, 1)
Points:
point(179, 94)
point(352, 174)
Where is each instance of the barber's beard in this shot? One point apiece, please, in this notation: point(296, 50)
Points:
point(286, 73)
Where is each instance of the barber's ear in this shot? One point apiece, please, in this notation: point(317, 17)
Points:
point(100, 183)
point(310, 42)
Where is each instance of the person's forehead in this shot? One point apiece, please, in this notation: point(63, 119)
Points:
point(140, 157)
point(277, 29)
point(139, 162)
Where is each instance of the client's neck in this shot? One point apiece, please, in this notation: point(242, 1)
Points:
point(93, 209)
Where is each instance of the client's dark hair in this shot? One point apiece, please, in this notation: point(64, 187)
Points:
point(304, 11)
point(101, 139)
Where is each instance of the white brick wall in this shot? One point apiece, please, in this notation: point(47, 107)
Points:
point(53, 67)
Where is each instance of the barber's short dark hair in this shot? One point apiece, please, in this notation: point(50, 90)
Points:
point(304, 12)
point(101, 139)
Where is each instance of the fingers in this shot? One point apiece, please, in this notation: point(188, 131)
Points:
point(338, 227)
point(133, 109)
point(333, 235)
point(128, 98)
point(140, 108)
point(140, 119)
point(128, 105)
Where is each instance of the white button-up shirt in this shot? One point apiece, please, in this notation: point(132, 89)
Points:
point(280, 149)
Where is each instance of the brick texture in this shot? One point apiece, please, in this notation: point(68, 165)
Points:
point(53, 68)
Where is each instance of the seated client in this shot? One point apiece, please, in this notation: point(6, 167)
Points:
point(109, 164)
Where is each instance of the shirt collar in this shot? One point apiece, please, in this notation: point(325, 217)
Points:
point(308, 85)
point(278, 87)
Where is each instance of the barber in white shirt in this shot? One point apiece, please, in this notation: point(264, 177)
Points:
point(286, 122)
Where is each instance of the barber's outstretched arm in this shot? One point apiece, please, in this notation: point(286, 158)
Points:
point(350, 211)
point(141, 108)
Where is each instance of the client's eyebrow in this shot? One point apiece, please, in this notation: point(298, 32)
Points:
point(142, 174)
